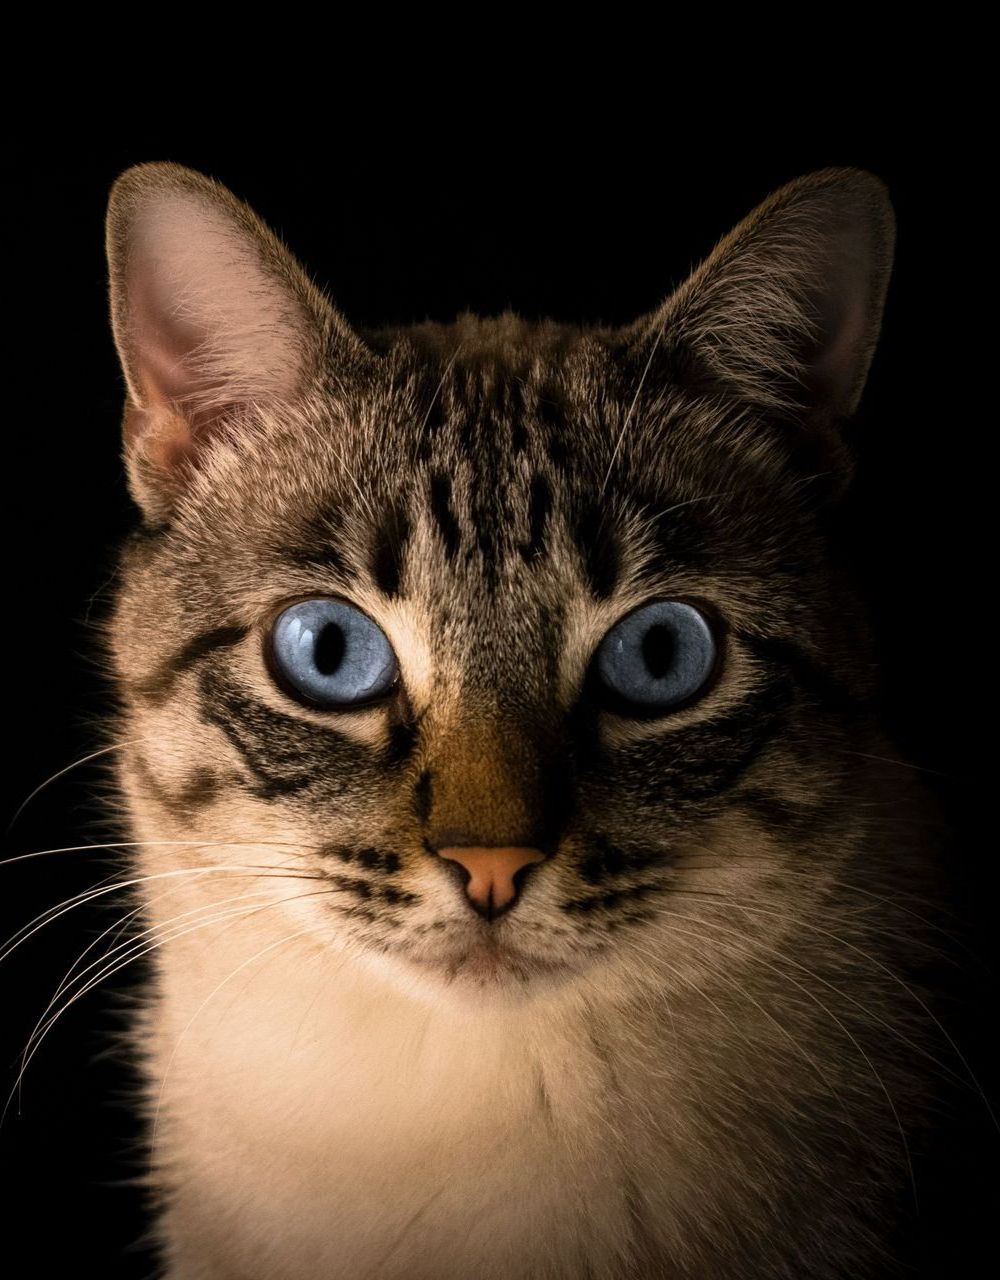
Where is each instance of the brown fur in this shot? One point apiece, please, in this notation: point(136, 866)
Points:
point(689, 1051)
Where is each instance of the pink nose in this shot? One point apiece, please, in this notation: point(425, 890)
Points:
point(491, 871)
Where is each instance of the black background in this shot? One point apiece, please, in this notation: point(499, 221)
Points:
point(593, 231)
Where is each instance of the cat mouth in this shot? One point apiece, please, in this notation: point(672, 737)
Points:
point(487, 961)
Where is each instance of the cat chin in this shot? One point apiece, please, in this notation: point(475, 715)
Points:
point(487, 966)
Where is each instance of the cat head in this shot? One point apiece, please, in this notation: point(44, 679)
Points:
point(522, 639)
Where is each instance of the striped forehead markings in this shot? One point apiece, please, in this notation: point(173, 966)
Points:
point(388, 551)
point(444, 515)
point(599, 547)
point(539, 505)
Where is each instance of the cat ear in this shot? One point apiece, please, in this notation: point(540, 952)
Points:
point(211, 316)
point(786, 310)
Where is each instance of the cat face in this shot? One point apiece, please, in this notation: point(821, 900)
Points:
point(405, 599)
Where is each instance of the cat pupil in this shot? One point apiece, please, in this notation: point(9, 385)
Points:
point(658, 649)
point(329, 650)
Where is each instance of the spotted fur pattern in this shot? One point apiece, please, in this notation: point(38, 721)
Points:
point(687, 1051)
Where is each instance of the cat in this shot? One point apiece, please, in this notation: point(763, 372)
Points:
point(500, 750)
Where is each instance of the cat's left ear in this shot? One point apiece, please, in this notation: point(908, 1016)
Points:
point(785, 312)
point(212, 316)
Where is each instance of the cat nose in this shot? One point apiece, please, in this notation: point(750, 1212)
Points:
point(491, 886)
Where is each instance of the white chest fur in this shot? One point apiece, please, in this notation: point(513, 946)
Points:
point(338, 1126)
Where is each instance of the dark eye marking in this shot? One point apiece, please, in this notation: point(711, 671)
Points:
point(696, 765)
point(325, 558)
point(402, 740)
point(157, 687)
point(284, 754)
point(599, 549)
point(787, 818)
point(200, 789)
point(443, 514)
point(810, 675)
point(539, 505)
point(683, 532)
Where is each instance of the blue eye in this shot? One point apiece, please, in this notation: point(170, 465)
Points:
point(656, 658)
point(331, 655)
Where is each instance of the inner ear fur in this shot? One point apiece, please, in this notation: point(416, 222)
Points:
point(212, 316)
point(785, 312)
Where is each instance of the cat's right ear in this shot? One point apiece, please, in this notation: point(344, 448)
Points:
point(213, 318)
point(784, 314)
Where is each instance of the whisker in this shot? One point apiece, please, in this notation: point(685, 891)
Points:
point(729, 980)
point(799, 921)
point(906, 764)
point(61, 773)
point(786, 977)
point(809, 877)
point(69, 980)
point(134, 947)
point(232, 915)
point(433, 400)
point(631, 410)
point(89, 895)
point(153, 844)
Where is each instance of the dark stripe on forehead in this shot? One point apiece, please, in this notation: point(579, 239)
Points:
point(316, 543)
point(599, 548)
point(324, 557)
point(388, 553)
point(689, 766)
point(492, 524)
point(490, 408)
point(539, 504)
point(683, 530)
point(550, 414)
point(157, 687)
point(434, 416)
point(443, 514)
